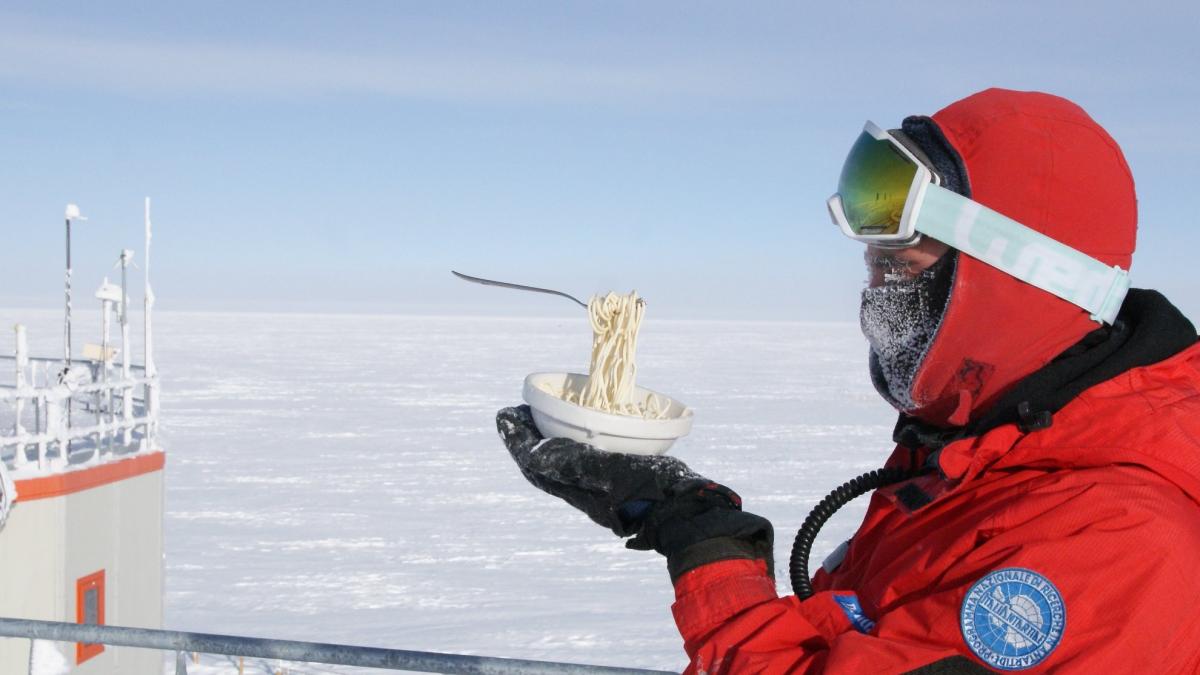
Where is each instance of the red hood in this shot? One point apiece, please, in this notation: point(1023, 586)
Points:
point(1042, 161)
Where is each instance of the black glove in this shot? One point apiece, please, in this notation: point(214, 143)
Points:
point(671, 509)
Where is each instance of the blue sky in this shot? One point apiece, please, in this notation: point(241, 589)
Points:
point(332, 156)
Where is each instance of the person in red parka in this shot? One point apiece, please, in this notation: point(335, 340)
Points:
point(1041, 509)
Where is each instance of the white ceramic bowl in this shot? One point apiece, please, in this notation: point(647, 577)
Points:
point(616, 433)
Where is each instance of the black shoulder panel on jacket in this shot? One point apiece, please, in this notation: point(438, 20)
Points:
point(954, 665)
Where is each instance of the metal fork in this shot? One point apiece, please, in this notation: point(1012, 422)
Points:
point(519, 287)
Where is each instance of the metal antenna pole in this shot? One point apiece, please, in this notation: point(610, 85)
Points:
point(67, 324)
point(72, 213)
point(67, 331)
point(103, 399)
point(126, 392)
point(151, 392)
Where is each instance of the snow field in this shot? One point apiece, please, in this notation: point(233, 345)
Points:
point(339, 478)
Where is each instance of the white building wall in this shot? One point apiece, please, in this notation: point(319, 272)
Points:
point(31, 558)
point(48, 544)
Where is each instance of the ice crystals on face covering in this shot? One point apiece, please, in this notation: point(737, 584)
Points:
point(899, 319)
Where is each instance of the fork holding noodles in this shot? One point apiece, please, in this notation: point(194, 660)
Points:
point(606, 408)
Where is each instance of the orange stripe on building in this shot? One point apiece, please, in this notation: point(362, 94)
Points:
point(77, 481)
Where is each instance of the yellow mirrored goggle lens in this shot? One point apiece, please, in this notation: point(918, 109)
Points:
point(874, 186)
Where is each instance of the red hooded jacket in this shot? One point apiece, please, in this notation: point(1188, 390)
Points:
point(1066, 547)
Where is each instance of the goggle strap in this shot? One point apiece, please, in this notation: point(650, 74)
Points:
point(1023, 253)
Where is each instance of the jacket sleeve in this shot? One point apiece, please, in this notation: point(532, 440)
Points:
point(1118, 552)
point(732, 621)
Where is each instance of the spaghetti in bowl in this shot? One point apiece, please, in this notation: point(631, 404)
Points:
point(557, 417)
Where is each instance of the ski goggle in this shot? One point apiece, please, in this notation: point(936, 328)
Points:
point(888, 198)
point(880, 190)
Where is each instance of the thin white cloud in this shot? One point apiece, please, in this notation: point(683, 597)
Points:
point(464, 63)
point(193, 68)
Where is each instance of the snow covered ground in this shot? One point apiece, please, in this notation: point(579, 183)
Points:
point(339, 478)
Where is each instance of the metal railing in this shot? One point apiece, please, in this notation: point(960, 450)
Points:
point(110, 418)
point(292, 650)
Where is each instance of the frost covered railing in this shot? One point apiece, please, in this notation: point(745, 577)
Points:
point(294, 651)
point(52, 416)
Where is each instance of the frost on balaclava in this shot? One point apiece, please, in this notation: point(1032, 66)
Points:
point(899, 318)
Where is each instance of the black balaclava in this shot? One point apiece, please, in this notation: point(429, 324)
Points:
point(901, 317)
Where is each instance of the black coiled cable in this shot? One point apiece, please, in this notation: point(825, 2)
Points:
point(847, 492)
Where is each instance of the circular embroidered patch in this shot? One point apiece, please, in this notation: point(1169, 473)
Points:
point(1013, 618)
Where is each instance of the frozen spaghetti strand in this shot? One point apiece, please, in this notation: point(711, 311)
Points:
point(612, 375)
